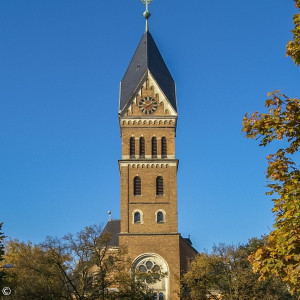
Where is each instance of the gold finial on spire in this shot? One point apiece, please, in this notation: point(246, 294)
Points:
point(146, 13)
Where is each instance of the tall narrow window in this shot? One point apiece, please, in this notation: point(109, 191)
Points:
point(159, 296)
point(132, 147)
point(159, 186)
point(160, 217)
point(142, 147)
point(137, 186)
point(137, 217)
point(154, 147)
point(163, 147)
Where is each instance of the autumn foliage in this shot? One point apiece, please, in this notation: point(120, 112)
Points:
point(281, 254)
point(2, 274)
point(226, 274)
point(75, 267)
point(293, 47)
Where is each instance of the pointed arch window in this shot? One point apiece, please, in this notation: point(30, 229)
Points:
point(132, 147)
point(159, 186)
point(154, 147)
point(137, 217)
point(163, 147)
point(137, 186)
point(142, 147)
point(160, 217)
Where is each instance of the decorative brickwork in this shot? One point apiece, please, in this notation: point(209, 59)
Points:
point(148, 171)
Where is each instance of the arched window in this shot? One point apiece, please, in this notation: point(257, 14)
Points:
point(142, 147)
point(137, 186)
point(154, 147)
point(163, 147)
point(159, 186)
point(155, 264)
point(159, 296)
point(132, 147)
point(160, 217)
point(137, 217)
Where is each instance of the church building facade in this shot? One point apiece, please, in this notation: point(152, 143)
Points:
point(148, 170)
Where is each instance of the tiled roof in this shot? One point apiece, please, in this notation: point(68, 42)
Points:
point(113, 227)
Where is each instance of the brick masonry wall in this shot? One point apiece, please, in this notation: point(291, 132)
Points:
point(167, 246)
point(149, 236)
point(148, 203)
point(148, 133)
point(187, 253)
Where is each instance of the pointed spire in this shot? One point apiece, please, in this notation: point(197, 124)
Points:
point(146, 13)
point(146, 58)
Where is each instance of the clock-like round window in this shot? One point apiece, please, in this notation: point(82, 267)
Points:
point(148, 105)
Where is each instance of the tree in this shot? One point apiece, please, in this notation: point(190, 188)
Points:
point(226, 273)
point(94, 270)
point(2, 236)
point(293, 47)
point(33, 276)
point(75, 267)
point(281, 254)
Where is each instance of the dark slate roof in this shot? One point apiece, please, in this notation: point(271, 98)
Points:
point(113, 227)
point(147, 57)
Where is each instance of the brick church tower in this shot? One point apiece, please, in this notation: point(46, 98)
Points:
point(148, 169)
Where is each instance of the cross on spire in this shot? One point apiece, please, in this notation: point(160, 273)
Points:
point(146, 13)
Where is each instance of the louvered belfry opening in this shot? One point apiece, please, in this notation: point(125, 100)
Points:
point(132, 147)
point(163, 147)
point(159, 186)
point(160, 217)
point(142, 147)
point(137, 186)
point(154, 147)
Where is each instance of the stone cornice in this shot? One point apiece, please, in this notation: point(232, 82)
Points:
point(137, 163)
point(155, 122)
point(154, 234)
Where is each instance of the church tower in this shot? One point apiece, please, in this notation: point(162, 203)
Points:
point(148, 168)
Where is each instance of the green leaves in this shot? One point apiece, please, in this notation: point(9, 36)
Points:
point(226, 272)
point(75, 267)
point(280, 256)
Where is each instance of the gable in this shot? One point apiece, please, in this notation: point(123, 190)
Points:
point(149, 88)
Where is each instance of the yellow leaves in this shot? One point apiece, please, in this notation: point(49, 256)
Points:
point(282, 250)
point(281, 255)
point(293, 47)
point(259, 253)
point(273, 93)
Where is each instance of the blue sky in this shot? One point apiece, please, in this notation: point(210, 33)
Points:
point(61, 62)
